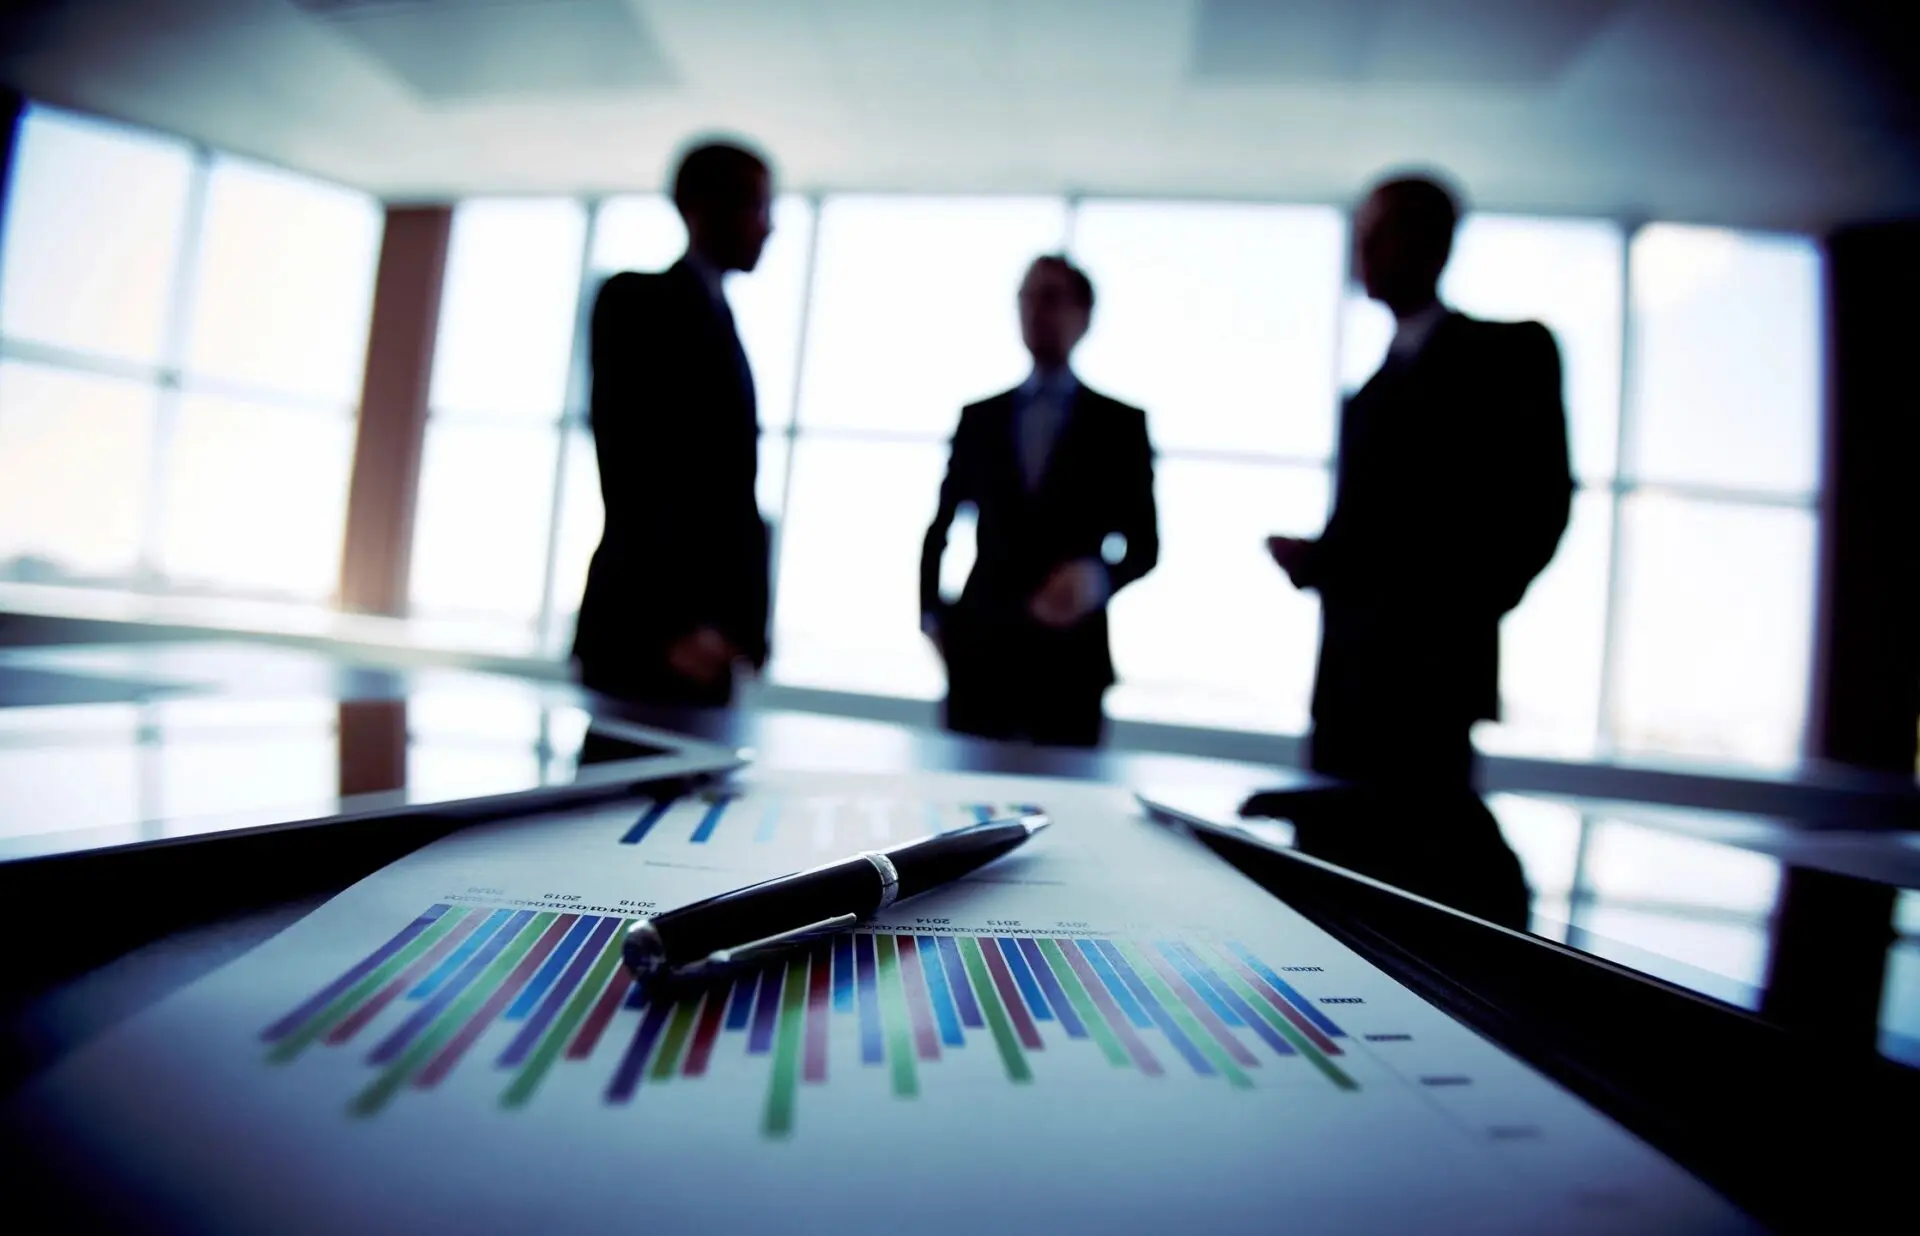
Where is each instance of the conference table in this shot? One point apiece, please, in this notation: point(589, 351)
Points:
point(1742, 993)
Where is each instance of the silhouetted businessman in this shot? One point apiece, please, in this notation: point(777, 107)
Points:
point(1053, 470)
point(677, 593)
point(1453, 490)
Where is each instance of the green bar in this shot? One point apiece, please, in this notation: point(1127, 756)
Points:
point(893, 1015)
point(349, 1000)
point(561, 1030)
point(989, 998)
point(668, 1058)
point(1301, 1043)
point(1083, 1004)
point(786, 1050)
point(376, 1096)
point(1174, 1005)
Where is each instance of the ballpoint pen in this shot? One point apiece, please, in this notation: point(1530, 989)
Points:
point(702, 939)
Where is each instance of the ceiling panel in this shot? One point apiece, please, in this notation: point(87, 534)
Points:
point(1284, 40)
point(1485, 42)
point(459, 50)
point(754, 47)
point(1463, 42)
point(1139, 47)
point(1707, 110)
point(929, 47)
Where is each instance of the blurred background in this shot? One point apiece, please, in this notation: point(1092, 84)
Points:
point(292, 293)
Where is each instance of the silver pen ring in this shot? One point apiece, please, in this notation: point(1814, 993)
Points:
point(889, 878)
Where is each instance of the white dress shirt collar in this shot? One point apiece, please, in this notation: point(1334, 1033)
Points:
point(1059, 383)
point(711, 276)
point(1411, 333)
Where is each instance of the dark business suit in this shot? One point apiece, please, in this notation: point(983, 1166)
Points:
point(1453, 492)
point(1008, 676)
point(676, 434)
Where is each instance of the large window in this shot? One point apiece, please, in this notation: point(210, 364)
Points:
point(181, 345)
point(1570, 275)
point(182, 336)
point(1673, 622)
point(1222, 322)
point(1714, 609)
point(510, 507)
point(499, 390)
point(911, 317)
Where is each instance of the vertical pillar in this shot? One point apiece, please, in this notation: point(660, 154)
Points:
point(13, 106)
point(373, 746)
point(1831, 933)
point(393, 410)
point(1866, 710)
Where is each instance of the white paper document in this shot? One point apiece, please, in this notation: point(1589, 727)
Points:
point(1109, 1030)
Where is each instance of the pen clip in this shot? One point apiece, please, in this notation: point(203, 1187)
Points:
point(724, 958)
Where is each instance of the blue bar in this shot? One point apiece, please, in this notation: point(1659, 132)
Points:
point(423, 1016)
point(843, 973)
point(1201, 975)
point(1162, 1018)
point(646, 822)
point(556, 962)
point(872, 1051)
point(962, 989)
point(937, 989)
point(536, 1027)
point(766, 1012)
point(1121, 996)
point(367, 965)
point(741, 1010)
point(1202, 988)
point(1069, 1020)
point(769, 821)
point(708, 822)
point(1032, 809)
point(983, 812)
point(1024, 977)
point(627, 1077)
point(458, 957)
point(1280, 985)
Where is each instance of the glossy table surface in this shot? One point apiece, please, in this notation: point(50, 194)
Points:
point(114, 743)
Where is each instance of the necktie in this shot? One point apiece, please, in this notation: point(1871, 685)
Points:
point(1039, 424)
point(739, 353)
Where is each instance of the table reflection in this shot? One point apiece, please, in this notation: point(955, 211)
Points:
point(92, 775)
point(1693, 912)
point(1757, 913)
point(1899, 1016)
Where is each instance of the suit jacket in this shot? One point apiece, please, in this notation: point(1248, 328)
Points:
point(1098, 481)
point(676, 434)
point(1453, 490)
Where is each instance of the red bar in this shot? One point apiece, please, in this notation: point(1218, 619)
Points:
point(503, 995)
point(819, 990)
point(1199, 1008)
point(706, 1031)
point(926, 1040)
point(1280, 1002)
point(352, 1024)
point(596, 1023)
point(1103, 1000)
point(1010, 995)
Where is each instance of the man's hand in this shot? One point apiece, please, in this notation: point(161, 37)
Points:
point(1074, 590)
point(1291, 553)
point(703, 656)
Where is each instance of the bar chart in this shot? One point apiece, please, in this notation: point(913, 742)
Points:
point(730, 815)
point(544, 990)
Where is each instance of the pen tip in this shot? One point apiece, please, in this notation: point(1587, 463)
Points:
point(1035, 823)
